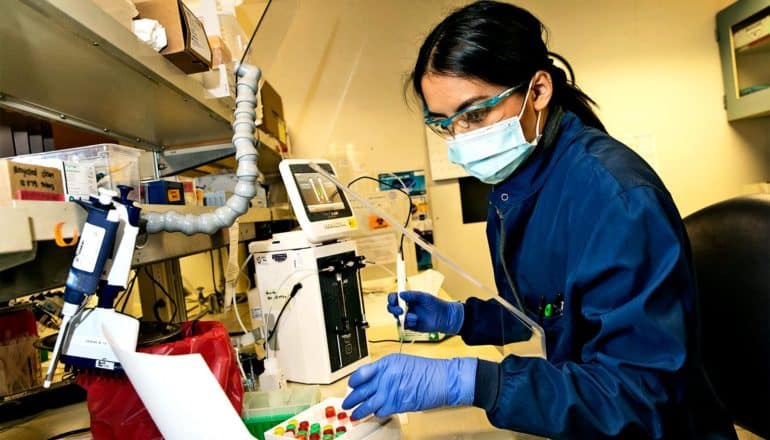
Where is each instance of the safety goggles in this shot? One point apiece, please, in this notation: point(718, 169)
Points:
point(475, 116)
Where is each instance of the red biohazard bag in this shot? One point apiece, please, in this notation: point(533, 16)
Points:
point(115, 408)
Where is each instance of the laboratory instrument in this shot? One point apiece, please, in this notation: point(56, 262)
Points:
point(309, 283)
point(105, 251)
point(322, 212)
point(534, 327)
point(401, 287)
point(101, 266)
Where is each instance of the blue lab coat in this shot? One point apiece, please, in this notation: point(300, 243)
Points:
point(586, 226)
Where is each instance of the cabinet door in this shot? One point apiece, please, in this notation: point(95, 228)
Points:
point(744, 47)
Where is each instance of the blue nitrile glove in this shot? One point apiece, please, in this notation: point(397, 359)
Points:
point(426, 313)
point(399, 383)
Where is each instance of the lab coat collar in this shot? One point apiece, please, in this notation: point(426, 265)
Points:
point(559, 131)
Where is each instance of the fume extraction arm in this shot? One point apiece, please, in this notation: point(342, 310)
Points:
point(247, 172)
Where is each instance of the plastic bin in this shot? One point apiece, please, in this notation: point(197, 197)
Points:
point(263, 410)
point(96, 166)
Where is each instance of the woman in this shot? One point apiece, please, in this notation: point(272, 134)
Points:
point(583, 236)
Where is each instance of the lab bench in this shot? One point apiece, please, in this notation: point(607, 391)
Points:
point(446, 423)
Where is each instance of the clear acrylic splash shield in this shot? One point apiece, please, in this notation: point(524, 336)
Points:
point(519, 334)
point(517, 337)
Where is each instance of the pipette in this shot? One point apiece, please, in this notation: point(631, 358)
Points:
point(520, 315)
point(401, 287)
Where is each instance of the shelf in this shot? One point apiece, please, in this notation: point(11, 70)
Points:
point(179, 160)
point(762, 46)
point(47, 264)
point(36, 221)
point(70, 61)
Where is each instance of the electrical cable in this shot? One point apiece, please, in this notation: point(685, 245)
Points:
point(213, 272)
point(247, 49)
point(294, 290)
point(402, 191)
point(401, 181)
point(165, 292)
point(67, 434)
point(242, 274)
point(127, 293)
point(204, 311)
point(293, 293)
point(308, 272)
point(235, 302)
point(244, 378)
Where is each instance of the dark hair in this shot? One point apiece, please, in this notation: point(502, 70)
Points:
point(500, 44)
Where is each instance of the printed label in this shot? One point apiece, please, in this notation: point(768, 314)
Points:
point(81, 179)
point(198, 41)
point(106, 365)
point(88, 249)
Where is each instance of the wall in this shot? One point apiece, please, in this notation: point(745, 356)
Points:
point(652, 66)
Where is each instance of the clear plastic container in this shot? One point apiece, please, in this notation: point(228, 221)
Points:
point(263, 410)
point(96, 166)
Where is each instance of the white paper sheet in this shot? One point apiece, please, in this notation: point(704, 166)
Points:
point(182, 396)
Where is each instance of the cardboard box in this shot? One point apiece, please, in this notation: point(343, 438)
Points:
point(188, 185)
point(20, 181)
point(188, 47)
point(272, 112)
point(162, 192)
point(220, 53)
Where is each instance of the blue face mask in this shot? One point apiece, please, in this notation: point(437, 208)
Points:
point(493, 153)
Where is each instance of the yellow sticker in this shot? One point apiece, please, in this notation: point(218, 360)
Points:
point(352, 222)
point(174, 195)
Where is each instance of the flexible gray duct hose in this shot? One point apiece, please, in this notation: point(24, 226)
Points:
point(245, 154)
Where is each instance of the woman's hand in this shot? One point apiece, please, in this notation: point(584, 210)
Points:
point(399, 383)
point(426, 313)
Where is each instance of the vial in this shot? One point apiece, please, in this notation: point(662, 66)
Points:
point(330, 414)
point(342, 418)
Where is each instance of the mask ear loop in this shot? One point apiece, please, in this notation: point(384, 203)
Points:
point(526, 97)
point(538, 135)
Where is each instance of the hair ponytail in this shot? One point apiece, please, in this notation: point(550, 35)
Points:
point(500, 44)
point(570, 97)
